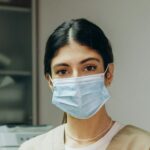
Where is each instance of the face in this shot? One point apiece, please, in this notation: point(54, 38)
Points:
point(75, 60)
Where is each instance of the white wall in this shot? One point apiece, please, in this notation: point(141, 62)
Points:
point(127, 25)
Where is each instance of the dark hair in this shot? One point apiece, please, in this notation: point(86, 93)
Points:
point(83, 32)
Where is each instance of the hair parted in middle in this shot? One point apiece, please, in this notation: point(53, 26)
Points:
point(81, 31)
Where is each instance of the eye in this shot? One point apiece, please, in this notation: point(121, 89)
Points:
point(90, 68)
point(61, 72)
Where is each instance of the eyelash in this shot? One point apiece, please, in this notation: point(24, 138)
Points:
point(61, 72)
point(92, 67)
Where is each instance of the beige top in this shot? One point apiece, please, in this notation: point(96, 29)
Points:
point(128, 138)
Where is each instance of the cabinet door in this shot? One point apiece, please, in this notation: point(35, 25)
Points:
point(16, 75)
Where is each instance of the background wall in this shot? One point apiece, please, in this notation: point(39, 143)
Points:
point(127, 25)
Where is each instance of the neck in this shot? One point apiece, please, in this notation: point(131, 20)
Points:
point(88, 128)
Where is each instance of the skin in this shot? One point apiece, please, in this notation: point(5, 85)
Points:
point(75, 60)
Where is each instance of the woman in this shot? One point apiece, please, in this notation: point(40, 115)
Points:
point(79, 68)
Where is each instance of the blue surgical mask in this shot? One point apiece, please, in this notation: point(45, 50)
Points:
point(81, 97)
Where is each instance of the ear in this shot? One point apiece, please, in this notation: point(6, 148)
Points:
point(109, 74)
point(47, 77)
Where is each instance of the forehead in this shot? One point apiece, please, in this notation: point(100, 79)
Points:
point(74, 53)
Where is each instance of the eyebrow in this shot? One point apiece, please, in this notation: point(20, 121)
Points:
point(60, 64)
point(88, 59)
point(82, 62)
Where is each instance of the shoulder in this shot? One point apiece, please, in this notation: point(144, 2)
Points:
point(131, 137)
point(131, 130)
point(42, 141)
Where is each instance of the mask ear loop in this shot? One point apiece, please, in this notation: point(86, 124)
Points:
point(106, 69)
point(51, 83)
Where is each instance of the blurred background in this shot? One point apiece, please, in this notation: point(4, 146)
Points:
point(18, 62)
point(25, 26)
